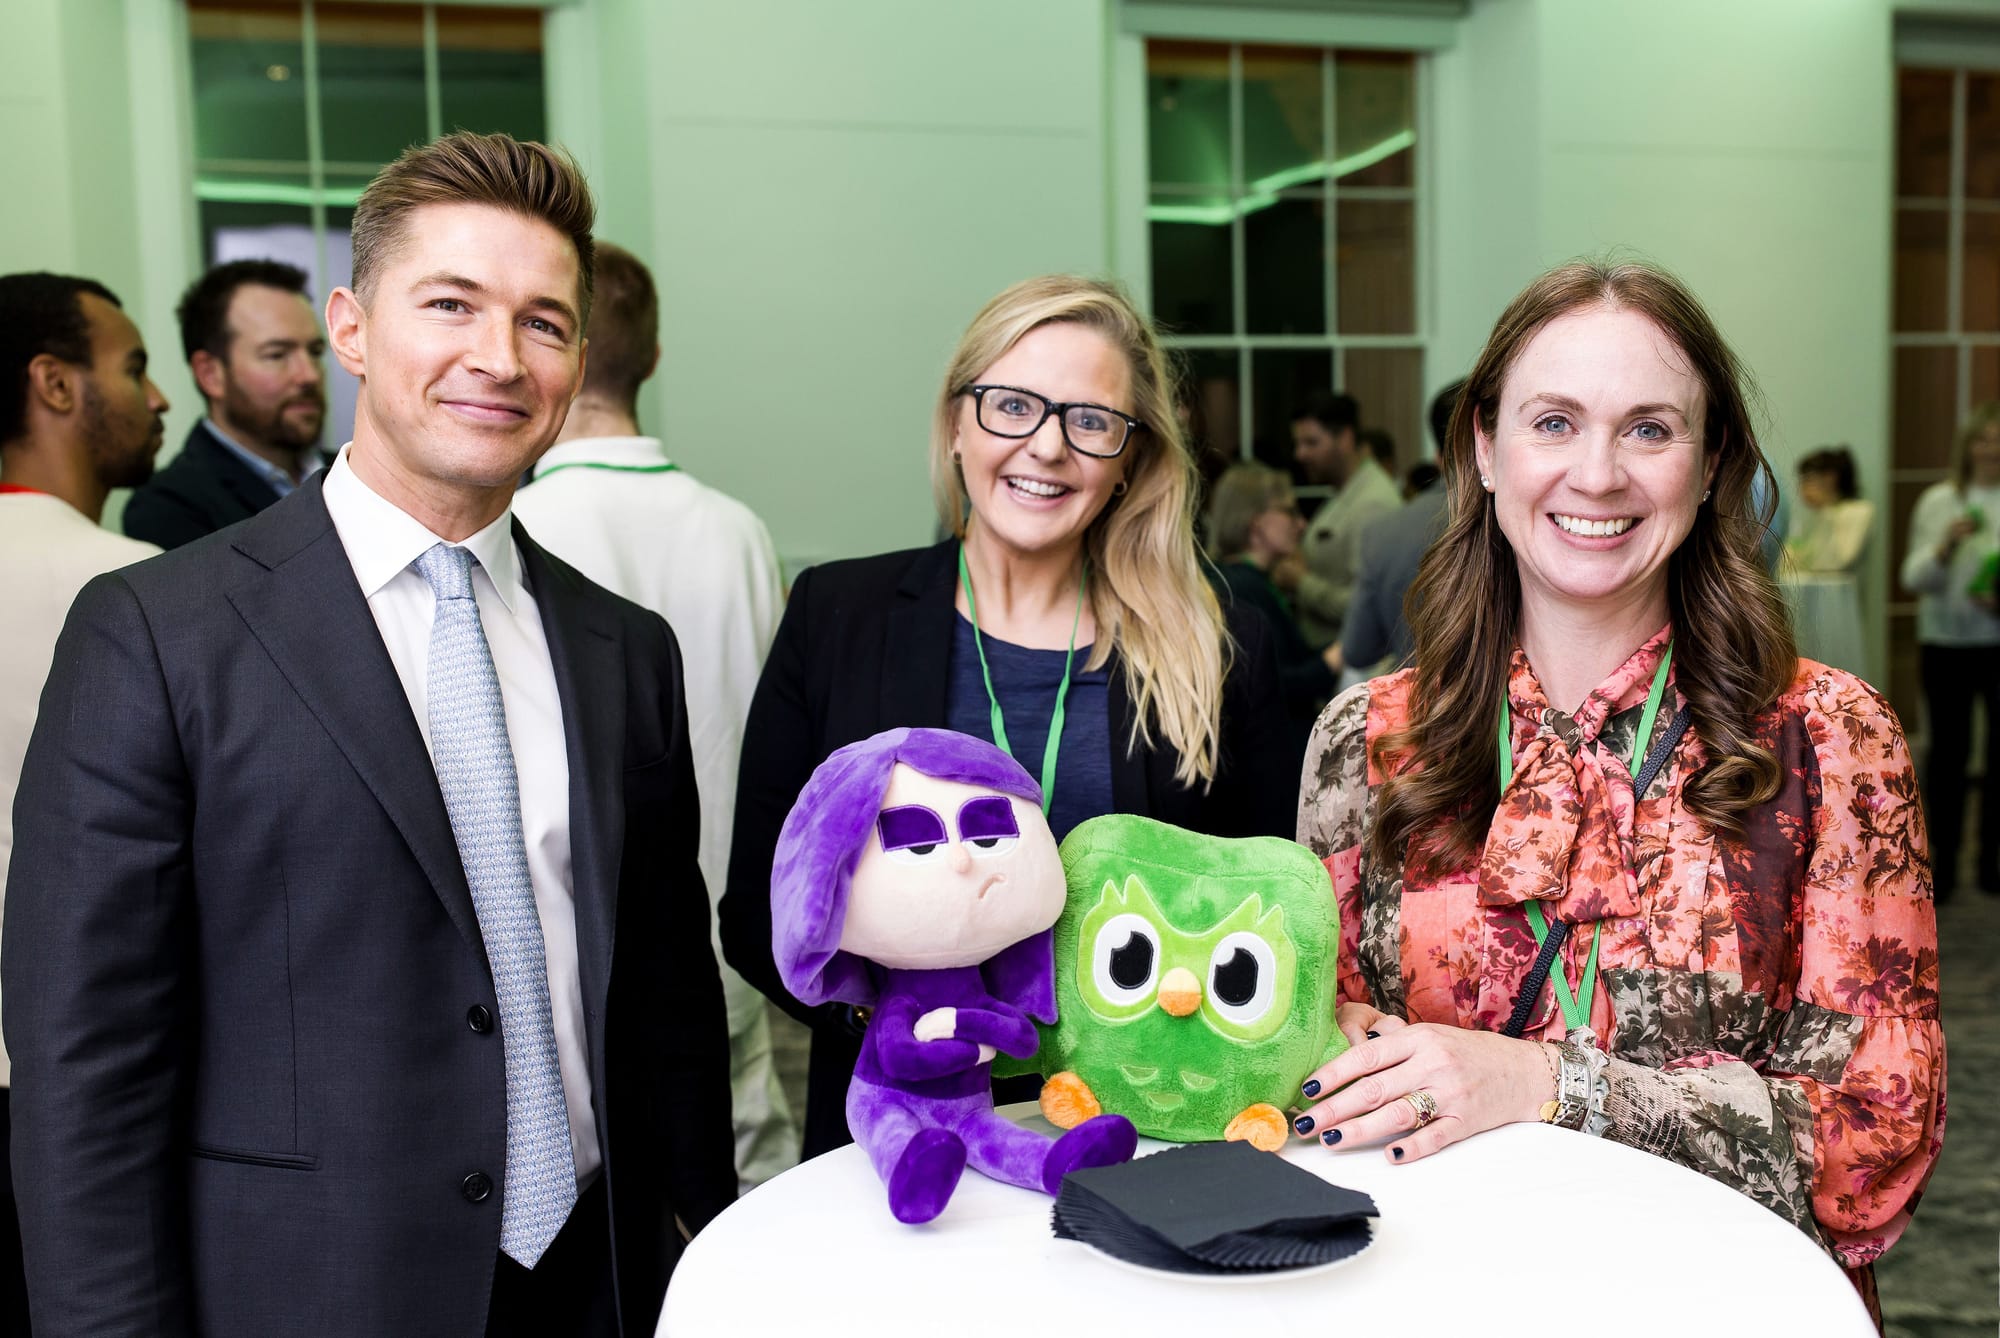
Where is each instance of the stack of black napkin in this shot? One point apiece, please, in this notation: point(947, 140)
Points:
point(1213, 1208)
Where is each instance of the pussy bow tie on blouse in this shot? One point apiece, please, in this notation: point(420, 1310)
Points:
point(1563, 833)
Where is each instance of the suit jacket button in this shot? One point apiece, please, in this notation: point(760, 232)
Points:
point(477, 1018)
point(476, 1187)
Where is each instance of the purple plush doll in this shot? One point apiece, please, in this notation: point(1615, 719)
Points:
point(917, 877)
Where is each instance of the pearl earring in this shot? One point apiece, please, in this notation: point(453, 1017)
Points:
point(1486, 483)
point(1704, 494)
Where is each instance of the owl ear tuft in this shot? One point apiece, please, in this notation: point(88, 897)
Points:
point(1270, 924)
point(1110, 896)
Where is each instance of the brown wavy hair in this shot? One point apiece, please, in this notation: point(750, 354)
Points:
point(1733, 647)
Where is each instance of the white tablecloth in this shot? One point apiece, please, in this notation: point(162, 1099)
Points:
point(1522, 1230)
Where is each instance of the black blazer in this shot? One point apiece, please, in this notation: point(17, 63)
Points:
point(244, 979)
point(204, 488)
point(865, 646)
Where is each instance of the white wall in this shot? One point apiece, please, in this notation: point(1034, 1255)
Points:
point(828, 194)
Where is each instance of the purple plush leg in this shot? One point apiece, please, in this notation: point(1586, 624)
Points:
point(918, 1162)
point(1103, 1140)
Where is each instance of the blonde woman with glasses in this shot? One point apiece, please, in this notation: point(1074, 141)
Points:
point(1067, 620)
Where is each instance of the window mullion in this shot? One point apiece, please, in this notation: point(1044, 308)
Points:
point(315, 148)
point(1239, 267)
point(433, 89)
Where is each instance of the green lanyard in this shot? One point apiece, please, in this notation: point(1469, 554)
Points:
point(616, 469)
point(1054, 746)
point(1577, 1014)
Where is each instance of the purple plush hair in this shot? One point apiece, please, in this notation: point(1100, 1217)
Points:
point(824, 836)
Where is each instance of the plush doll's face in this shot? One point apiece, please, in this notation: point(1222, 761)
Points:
point(951, 875)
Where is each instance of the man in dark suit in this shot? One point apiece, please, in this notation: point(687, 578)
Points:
point(254, 347)
point(356, 958)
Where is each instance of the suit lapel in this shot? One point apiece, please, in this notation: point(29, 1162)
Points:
point(586, 647)
point(307, 611)
point(916, 669)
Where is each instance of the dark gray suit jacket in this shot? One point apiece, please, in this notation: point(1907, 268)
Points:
point(1392, 548)
point(243, 973)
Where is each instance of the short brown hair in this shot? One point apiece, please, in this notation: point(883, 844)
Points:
point(624, 327)
point(465, 168)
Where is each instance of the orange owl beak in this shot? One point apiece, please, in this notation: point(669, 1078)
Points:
point(1180, 992)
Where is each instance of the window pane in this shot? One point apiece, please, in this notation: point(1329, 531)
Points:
point(1284, 118)
point(1211, 404)
point(1377, 256)
point(1187, 122)
point(1985, 374)
point(1375, 118)
point(1921, 274)
point(490, 70)
point(1388, 386)
point(371, 81)
point(1281, 378)
point(1192, 287)
point(1982, 137)
point(1980, 309)
point(1926, 407)
point(248, 70)
point(1284, 267)
point(1923, 133)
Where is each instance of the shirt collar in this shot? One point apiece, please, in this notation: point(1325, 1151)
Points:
point(382, 539)
point(263, 468)
point(619, 452)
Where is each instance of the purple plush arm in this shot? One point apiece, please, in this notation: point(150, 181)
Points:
point(902, 1056)
point(1005, 1029)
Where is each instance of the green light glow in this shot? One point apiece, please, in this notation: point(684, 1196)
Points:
point(231, 191)
point(1262, 193)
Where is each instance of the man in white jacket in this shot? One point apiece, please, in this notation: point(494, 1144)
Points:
point(612, 504)
point(79, 416)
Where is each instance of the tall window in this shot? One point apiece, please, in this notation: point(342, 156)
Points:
point(298, 103)
point(1947, 302)
point(1283, 214)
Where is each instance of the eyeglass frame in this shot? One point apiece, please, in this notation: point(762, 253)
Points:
point(1057, 408)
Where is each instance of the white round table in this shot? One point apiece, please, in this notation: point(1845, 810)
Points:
point(1525, 1229)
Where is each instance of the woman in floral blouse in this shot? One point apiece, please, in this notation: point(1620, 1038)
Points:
point(1745, 972)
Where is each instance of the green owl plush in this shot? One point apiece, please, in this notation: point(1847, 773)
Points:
point(1194, 981)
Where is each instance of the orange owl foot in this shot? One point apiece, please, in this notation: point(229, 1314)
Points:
point(1067, 1101)
point(1262, 1126)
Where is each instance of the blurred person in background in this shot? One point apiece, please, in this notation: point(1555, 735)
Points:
point(1253, 525)
point(613, 504)
point(1327, 447)
point(1376, 637)
point(1067, 619)
point(1829, 531)
point(79, 416)
point(1954, 549)
point(254, 346)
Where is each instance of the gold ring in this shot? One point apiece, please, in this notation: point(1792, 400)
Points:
point(1424, 1105)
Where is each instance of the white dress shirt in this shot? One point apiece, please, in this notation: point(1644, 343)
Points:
point(381, 542)
point(49, 550)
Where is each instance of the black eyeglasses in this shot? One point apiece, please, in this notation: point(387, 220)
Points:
point(1090, 429)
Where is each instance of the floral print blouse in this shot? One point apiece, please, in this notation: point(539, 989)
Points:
point(1769, 1005)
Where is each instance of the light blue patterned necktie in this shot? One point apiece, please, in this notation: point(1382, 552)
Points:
point(475, 769)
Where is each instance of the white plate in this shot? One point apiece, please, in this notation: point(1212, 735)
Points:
point(1234, 1278)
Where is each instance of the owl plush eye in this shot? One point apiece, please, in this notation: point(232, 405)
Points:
point(1242, 977)
point(911, 833)
point(1125, 960)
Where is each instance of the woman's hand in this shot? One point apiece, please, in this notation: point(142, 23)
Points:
point(1479, 1080)
point(1961, 529)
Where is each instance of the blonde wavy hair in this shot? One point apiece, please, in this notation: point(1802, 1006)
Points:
point(1147, 592)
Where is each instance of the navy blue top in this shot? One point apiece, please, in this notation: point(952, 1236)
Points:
point(1026, 681)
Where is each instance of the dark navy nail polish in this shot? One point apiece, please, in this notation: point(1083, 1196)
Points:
point(1397, 1153)
point(1374, 1035)
point(1304, 1124)
point(1330, 1137)
point(1310, 1087)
